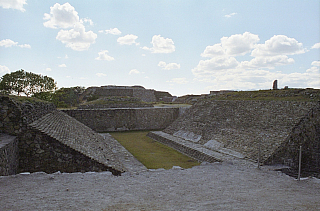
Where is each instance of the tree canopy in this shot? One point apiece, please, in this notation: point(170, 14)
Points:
point(26, 82)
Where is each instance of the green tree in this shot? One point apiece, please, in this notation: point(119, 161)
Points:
point(26, 82)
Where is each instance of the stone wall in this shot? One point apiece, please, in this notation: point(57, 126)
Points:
point(41, 152)
point(16, 115)
point(9, 155)
point(103, 120)
point(241, 125)
point(307, 135)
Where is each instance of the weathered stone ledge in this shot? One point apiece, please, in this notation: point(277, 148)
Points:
point(196, 151)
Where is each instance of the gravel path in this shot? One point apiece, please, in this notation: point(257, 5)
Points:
point(218, 186)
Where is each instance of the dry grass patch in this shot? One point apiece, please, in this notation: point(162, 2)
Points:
point(151, 153)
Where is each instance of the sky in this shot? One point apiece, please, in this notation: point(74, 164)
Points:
point(180, 46)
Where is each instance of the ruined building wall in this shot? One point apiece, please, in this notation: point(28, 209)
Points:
point(103, 120)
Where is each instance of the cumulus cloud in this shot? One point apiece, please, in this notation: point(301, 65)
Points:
point(169, 66)
point(4, 69)
point(103, 55)
point(316, 63)
point(267, 62)
point(278, 45)
point(239, 44)
point(101, 74)
point(65, 16)
point(13, 4)
point(317, 45)
point(225, 72)
point(208, 67)
point(134, 71)
point(230, 15)
point(62, 65)
point(178, 81)
point(61, 16)
point(9, 43)
point(161, 45)
point(77, 38)
point(113, 31)
point(128, 39)
point(235, 45)
point(213, 51)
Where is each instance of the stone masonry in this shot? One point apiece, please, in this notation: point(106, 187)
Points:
point(237, 127)
point(123, 119)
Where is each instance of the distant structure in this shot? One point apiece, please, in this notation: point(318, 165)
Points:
point(146, 95)
point(275, 85)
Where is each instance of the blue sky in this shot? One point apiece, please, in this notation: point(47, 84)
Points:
point(184, 47)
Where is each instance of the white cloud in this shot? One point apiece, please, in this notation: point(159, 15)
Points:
point(9, 43)
point(278, 45)
point(62, 65)
point(317, 45)
point(128, 39)
point(103, 55)
point(208, 67)
point(101, 74)
point(169, 66)
point(61, 16)
point(134, 71)
point(316, 63)
point(235, 45)
point(25, 46)
point(267, 62)
point(239, 44)
point(13, 4)
point(161, 45)
point(114, 31)
point(77, 38)
point(4, 69)
point(65, 16)
point(87, 20)
point(230, 15)
point(178, 81)
point(225, 72)
point(48, 69)
point(213, 51)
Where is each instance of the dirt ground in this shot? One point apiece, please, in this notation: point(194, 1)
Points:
point(218, 186)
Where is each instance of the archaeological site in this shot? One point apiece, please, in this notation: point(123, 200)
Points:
point(221, 126)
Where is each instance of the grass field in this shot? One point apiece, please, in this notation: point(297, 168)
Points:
point(151, 153)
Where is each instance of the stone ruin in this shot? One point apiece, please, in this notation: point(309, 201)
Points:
point(37, 137)
point(233, 130)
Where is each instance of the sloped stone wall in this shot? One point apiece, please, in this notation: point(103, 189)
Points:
point(103, 120)
point(43, 153)
point(241, 125)
point(307, 135)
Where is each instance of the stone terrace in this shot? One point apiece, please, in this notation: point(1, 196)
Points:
point(79, 137)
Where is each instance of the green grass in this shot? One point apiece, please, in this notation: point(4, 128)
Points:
point(151, 153)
